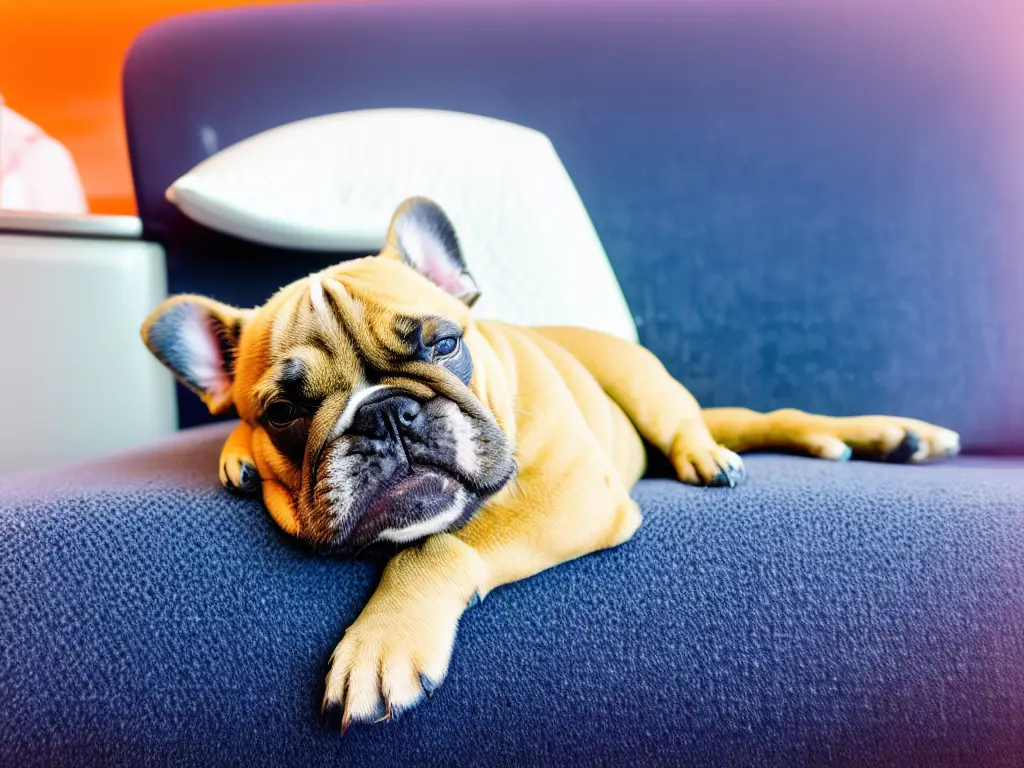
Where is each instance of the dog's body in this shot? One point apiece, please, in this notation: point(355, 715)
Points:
point(374, 408)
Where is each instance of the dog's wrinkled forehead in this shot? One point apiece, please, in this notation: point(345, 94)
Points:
point(347, 328)
point(309, 341)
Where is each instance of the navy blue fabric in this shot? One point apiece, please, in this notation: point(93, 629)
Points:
point(844, 614)
point(807, 204)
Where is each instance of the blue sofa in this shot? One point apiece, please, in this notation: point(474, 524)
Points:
point(814, 205)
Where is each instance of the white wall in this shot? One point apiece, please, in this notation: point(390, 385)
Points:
point(75, 377)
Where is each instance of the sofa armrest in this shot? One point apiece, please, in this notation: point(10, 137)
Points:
point(73, 292)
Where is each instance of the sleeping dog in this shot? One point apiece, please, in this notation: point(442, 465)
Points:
point(375, 408)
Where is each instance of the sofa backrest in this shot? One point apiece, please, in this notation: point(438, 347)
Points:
point(808, 204)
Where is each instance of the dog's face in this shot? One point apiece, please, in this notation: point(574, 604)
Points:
point(360, 384)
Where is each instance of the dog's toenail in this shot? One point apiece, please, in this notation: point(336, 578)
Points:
point(429, 686)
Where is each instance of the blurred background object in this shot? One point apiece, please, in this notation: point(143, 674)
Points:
point(73, 292)
point(37, 173)
point(60, 69)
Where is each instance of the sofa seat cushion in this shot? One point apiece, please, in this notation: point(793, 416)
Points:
point(840, 613)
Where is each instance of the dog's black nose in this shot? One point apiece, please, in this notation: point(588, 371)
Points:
point(378, 418)
point(406, 410)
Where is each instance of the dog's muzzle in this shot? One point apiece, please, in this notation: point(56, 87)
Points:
point(394, 474)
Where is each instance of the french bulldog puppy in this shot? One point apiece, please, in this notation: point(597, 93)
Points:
point(375, 408)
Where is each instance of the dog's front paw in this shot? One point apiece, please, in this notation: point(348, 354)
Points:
point(388, 660)
point(708, 464)
point(238, 472)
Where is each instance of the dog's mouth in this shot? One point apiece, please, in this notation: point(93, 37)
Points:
point(413, 500)
point(404, 481)
point(423, 501)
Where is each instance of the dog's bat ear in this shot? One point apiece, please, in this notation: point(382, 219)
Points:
point(422, 236)
point(197, 338)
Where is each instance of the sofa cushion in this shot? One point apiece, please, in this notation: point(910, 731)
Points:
point(841, 613)
point(332, 183)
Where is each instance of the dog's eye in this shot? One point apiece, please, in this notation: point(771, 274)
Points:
point(281, 413)
point(446, 346)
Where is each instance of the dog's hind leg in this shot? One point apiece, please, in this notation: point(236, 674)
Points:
point(660, 408)
point(885, 438)
point(702, 444)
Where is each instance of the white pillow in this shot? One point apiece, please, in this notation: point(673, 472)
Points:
point(331, 183)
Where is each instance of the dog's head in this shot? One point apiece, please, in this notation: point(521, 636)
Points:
point(367, 401)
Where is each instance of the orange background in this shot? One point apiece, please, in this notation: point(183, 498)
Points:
point(60, 67)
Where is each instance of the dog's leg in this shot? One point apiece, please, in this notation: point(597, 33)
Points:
point(888, 438)
point(237, 466)
point(399, 647)
point(662, 410)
